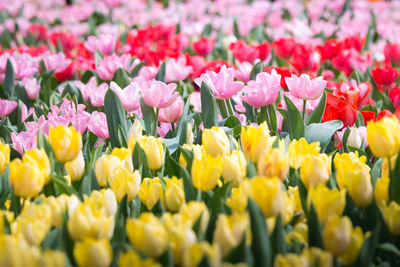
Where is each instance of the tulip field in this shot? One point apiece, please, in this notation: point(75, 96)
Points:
point(199, 133)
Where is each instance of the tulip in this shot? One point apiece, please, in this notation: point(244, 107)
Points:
point(55, 258)
point(239, 199)
point(337, 234)
point(290, 259)
point(110, 64)
point(125, 156)
point(299, 149)
point(126, 183)
point(274, 163)
point(177, 69)
point(103, 200)
point(26, 178)
point(98, 125)
point(91, 252)
point(154, 149)
point(315, 170)
point(65, 142)
point(174, 194)
point(32, 88)
point(4, 156)
point(129, 96)
point(304, 88)
point(150, 192)
point(384, 77)
point(235, 166)
point(255, 141)
point(289, 205)
point(61, 205)
point(7, 216)
point(392, 53)
point(198, 152)
point(206, 172)
point(131, 258)
point(105, 168)
point(147, 234)
point(317, 257)
point(135, 131)
point(339, 108)
point(104, 43)
point(382, 190)
point(284, 47)
point(39, 158)
point(158, 94)
point(216, 142)
point(194, 211)
point(353, 250)
point(172, 113)
point(383, 137)
point(391, 213)
point(267, 193)
point(76, 167)
point(203, 46)
point(327, 201)
point(15, 251)
point(193, 255)
point(6, 107)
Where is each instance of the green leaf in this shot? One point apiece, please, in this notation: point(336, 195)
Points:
point(217, 201)
point(207, 30)
point(53, 239)
point(9, 80)
point(376, 171)
point(278, 238)
point(394, 184)
point(136, 69)
point(236, 30)
point(273, 121)
point(139, 160)
point(295, 121)
point(181, 128)
point(240, 253)
point(251, 169)
point(161, 73)
point(5, 186)
point(389, 247)
point(257, 68)
point(97, 57)
point(315, 235)
point(250, 113)
point(322, 132)
point(71, 90)
point(316, 115)
point(149, 116)
point(171, 143)
point(62, 185)
point(208, 106)
point(115, 115)
point(368, 249)
point(121, 77)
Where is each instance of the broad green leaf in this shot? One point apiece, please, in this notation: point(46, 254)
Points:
point(316, 115)
point(295, 121)
point(208, 106)
point(322, 132)
point(115, 114)
point(9, 80)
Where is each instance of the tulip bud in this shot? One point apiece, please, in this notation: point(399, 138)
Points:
point(273, 163)
point(130, 258)
point(194, 211)
point(76, 167)
point(174, 194)
point(391, 213)
point(53, 258)
point(254, 141)
point(382, 190)
point(229, 230)
point(337, 234)
point(196, 252)
point(135, 132)
point(154, 149)
point(239, 199)
point(92, 252)
point(354, 138)
point(150, 192)
point(40, 159)
point(290, 259)
point(235, 166)
point(189, 134)
point(103, 200)
point(124, 155)
point(105, 168)
point(315, 170)
point(198, 152)
point(383, 137)
point(124, 183)
point(317, 257)
point(216, 142)
point(267, 193)
point(353, 250)
point(206, 172)
point(299, 149)
point(4, 156)
point(147, 234)
point(66, 142)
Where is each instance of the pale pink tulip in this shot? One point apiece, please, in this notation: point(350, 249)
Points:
point(129, 96)
point(6, 107)
point(163, 129)
point(222, 84)
point(24, 141)
point(171, 113)
point(243, 71)
point(264, 90)
point(32, 88)
point(25, 113)
point(298, 102)
point(98, 125)
point(304, 88)
point(57, 62)
point(24, 65)
point(110, 64)
point(176, 69)
point(158, 94)
point(105, 43)
point(93, 93)
point(148, 73)
point(195, 101)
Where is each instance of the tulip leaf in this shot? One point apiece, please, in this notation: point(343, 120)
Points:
point(295, 121)
point(62, 185)
point(181, 128)
point(136, 69)
point(191, 193)
point(318, 113)
point(115, 115)
point(273, 121)
point(149, 116)
point(208, 106)
point(236, 30)
point(5, 186)
point(71, 90)
point(240, 253)
point(260, 245)
point(313, 222)
point(278, 237)
point(188, 156)
point(139, 160)
point(251, 169)
point(217, 202)
point(250, 113)
point(394, 184)
point(322, 132)
point(389, 247)
point(205, 262)
point(121, 77)
point(9, 80)
point(368, 248)
point(171, 143)
point(53, 239)
point(97, 57)
point(166, 259)
point(161, 73)
point(257, 68)
point(376, 171)
point(207, 30)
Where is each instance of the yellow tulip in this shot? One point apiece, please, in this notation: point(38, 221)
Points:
point(103, 200)
point(382, 190)
point(154, 150)
point(174, 194)
point(327, 201)
point(235, 166)
point(255, 141)
point(239, 199)
point(290, 260)
point(151, 191)
point(91, 252)
point(66, 142)
point(76, 167)
point(16, 252)
point(26, 178)
point(105, 168)
point(131, 259)
point(216, 142)
point(294, 191)
point(206, 172)
point(337, 234)
point(52, 258)
point(391, 213)
point(383, 137)
point(274, 163)
point(39, 158)
point(124, 183)
point(353, 250)
point(299, 234)
point(59, 205)
point(287, 211)
point(125, 156)
point(317, 257)
point(194, 211)
point(196, 252)
point(135, 132)
point(267, 193)
point(147, 234)
point(353, 174)
point(198, 152)
point(385, 165)
point(315, 170)
point(4, 156)
point(299, 149)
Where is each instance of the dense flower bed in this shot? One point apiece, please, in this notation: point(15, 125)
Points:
point(199, 133)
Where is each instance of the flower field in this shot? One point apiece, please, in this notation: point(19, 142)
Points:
point(199, 133)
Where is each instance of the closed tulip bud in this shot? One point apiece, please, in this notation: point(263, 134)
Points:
point(290, 259)
point(154, 149)
point(353, 250)
point(229, 231)
point(174, 194)
point(103, 200)
point(130, 258)
point(317, 257)
point(194, 211)
point(150, 192)
point(315, 170)
point(337, 234)
point(92, 252)
point(105, 168)
point(206, 172)
point(383, 137)
point(299, 234)
point(267, 193)
point(52, 258)
point(135, 132)
point(391, 213)
point(125, 156)
point(299, 149)
point(59, 206)
point(385, 165)
point(294, 191)
point(327, 201)
point(274, 163)
point(354, 138)
point(147, 234)
point(4, 156)
point(288, 207)
point(235, 166)
point(216, 142)
point(66, 142)
point(255, 141)
point(196, 252)
point(40, 159)
point(382, 191)
point(198, 152)
point(126, 183)
point(76, 167)
point(239, 199)
point(26, 178)
point(189, 134)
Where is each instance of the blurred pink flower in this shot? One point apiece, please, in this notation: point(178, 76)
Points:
point(110, 64)
point(195, 101)
point(221, 83)
point(171, 113)
point(24, 141)
point(238, 99)
point(6, 107)
point(264, 90)
point(57, 62)
point(158, 94)
point(93, 93)
point(32, 88)
point(243, 72)
point(304, 88)
point(105, 43)
point(176, 69)
point(163, 129)
point(148, 73)
point(25, 113)
point(98, 124)
point(129, 96)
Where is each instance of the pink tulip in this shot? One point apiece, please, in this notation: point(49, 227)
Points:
point(24, 65)
point(105, 43)
point(298, 102)
point(32, 88)
point(57, 62)
point(93, 93)
point(148, 73)
point(110, 64)
point(264, 90)
point(171, 113)
point(158, 94)
point(25, 113)
point(221, 83)
point(195, 101)
point(243, 72)
point(304, 88)
point(176, 69)
point(98, 125)
point(6, 107)
point(238, 99)
point(129, 96)
point(164, 129)
point(24, 141)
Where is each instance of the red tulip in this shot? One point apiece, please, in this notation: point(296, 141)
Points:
point(284, 72)
point(337, 108)
point(264, 50)
point(329, 50)
point(392, 53)
point(394, 95)
point(244, 52)
point(367, 116)
point(384, 76)
point(39, 31)
point(284, 47)
point(204, 46)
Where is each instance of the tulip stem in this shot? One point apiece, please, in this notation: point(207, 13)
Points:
point(228, 106)
point(156, 123)
point(173, 127)
point(390, 167)
point(222, 108)
point(304, 108)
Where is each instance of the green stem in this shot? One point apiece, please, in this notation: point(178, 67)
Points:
point(229, 107)
point(156, 123)
point(222, 108)
point(304, 108)
point(173, 127)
